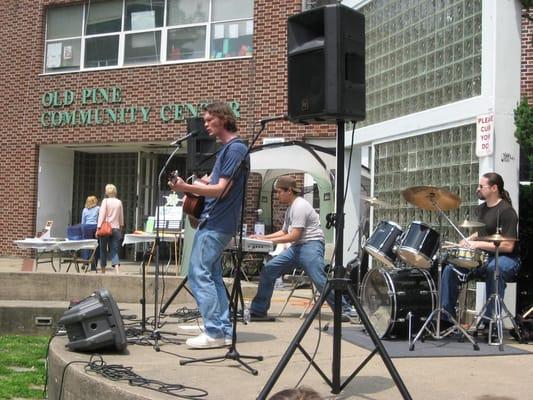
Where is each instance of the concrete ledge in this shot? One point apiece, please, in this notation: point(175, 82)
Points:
point(59, 286)
point(29, 318)
point(79, 384)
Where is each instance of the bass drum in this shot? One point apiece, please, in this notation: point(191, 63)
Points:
point(388, 296)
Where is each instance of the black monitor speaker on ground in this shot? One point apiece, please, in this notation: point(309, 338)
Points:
point(200, 148)
point(95, 323)
point(326, 65)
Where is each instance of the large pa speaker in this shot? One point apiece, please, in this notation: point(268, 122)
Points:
point(326, 65)
point(200, 149)
point(95, 323)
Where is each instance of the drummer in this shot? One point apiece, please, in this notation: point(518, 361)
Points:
point(498, 215)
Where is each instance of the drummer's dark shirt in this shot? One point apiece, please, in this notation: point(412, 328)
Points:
point(501, 215)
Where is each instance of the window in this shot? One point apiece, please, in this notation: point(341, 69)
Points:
point(117, 33)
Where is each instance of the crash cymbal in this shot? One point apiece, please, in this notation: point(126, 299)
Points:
point(429, 197)
point(496, 238)
point(374, 201)
point(471, 224)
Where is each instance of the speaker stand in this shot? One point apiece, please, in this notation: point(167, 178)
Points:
point(338, 284)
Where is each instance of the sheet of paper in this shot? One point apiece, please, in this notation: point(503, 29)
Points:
point(234, 31)
point(53, 55)
point(219, 31)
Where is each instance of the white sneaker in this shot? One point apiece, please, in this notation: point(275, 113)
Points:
point(204, 341)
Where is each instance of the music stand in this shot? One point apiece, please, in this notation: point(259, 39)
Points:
point(338, 284)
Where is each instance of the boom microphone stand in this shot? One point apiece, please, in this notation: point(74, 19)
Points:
point(338, 284)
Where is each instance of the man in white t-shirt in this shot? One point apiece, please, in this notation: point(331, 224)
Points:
point(301, 228)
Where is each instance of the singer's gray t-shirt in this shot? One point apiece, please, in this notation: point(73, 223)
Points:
point(301, 214)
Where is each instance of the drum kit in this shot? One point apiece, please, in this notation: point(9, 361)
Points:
point(401, 296)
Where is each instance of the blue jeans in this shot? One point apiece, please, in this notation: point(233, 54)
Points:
point(309, 256)
point(509, 267)
point(205, 281)
point(110, 245)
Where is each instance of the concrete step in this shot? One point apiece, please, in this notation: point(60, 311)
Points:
point(60, 286)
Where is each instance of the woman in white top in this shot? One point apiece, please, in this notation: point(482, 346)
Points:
point(112, 212)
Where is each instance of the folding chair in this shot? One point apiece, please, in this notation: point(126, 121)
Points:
point(78, 261)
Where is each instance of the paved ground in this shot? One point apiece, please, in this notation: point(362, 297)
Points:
point(503, 377)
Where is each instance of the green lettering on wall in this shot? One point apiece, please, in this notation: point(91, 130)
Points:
point(85, 95)
point(111, 114)
point(145, 111)
point(116, 95)
point(69, 118)
point(85, 116)
point(163, 113)
point(192, 109)
point(178, 112)
point(236, 108)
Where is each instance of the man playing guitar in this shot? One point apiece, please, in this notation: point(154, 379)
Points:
point(218, 223)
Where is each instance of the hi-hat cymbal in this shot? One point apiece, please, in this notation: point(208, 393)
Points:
point(374, 201)
point(496, 238)
point(471, 224)
point(431, 198)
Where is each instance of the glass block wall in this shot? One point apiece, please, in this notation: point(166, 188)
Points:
point(420, 54)
point(446, 159)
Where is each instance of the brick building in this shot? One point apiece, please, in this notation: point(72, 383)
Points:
point(90, 98)
point(144, 66)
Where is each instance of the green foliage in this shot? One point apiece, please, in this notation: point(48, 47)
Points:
point(22, 365)
point(523, 119)
point(526, 3)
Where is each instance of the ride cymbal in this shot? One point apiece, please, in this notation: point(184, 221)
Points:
point(471, 224)
point(495, 238)
point(374, 201)
point(431, 198)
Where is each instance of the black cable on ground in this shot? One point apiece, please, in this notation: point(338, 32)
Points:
point(118, 372)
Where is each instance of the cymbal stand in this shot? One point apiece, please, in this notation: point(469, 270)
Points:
point(437, 312)
point(498, 306)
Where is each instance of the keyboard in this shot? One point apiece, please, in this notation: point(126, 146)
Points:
point(252, 245)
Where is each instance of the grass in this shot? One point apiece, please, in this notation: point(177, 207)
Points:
point(22, 365)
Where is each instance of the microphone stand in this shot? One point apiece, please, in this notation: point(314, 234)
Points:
point(232, 353)
point(156, 334)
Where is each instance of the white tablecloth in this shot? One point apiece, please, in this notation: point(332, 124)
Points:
point(132, 238)
point(56, 244)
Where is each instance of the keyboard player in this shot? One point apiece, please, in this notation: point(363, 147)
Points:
point(301, 228)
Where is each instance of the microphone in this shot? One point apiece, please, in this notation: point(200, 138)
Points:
point(283, 117)
point(186, 137)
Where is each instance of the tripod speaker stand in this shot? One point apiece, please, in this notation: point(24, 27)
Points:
point(499, 309)
point(338, 284)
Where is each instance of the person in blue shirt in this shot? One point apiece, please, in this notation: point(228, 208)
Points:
point(89, 219)
point(218, 223)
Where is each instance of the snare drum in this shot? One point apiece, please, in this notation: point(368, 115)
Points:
point(388, 296)
point(419, 245)
point(383, 241)
point(467, 258)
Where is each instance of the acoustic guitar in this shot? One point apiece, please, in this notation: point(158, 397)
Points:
point(193, 204)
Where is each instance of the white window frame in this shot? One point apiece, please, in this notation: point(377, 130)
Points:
point(122, 38)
